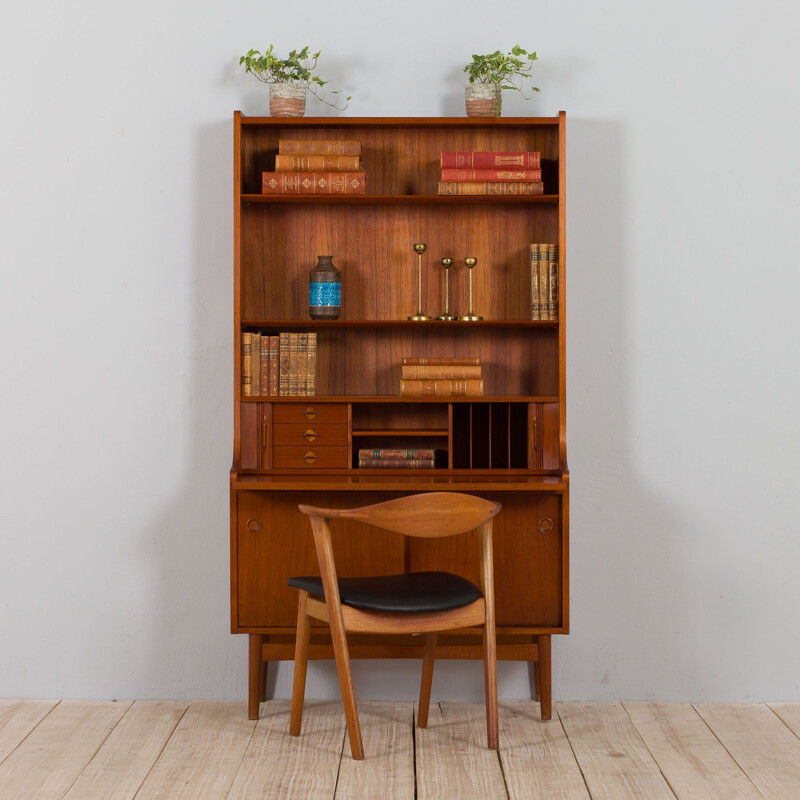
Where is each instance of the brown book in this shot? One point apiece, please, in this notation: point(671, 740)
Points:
point(264, 363)
point(494, 159)
point(283, 361)
point(312, 163)
point(312, 183)
point(311, 386)
point(496, 188)
point(274, 366)
point(247, 365)
point(441, 362)
point(324, 147)
point(552, 283)
point(396, 463)
point(441, 388)
point(302, 363)
point(255, 350)
point(294, 352)
point(449, 371)
point(536, 309)
point(491, 175)
point(395, 453)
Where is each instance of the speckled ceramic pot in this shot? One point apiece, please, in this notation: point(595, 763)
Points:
point(483, 99)
point(287, 99)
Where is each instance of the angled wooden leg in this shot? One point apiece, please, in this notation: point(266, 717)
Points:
point(254, 676)
point(490, 679)
point(300, 665)
point(427, 680)
point(339, 640)
point(545, 680)
point(262, 694)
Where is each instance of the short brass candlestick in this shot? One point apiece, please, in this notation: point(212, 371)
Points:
point(420, 316)
point(447, 316)
point(470, 263)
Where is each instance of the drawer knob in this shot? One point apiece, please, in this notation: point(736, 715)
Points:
point(310, 412)
point(310, 434)
point(310, 457)
point(545, 525)
point(253, 525)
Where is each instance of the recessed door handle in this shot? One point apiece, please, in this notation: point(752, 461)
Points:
point(310, 412)
point(310, 434)
point(310, 457)
point(545, 524)
point(253, 525)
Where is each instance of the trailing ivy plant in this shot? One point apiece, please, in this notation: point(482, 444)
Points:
point(298, 67)
point(504, 70)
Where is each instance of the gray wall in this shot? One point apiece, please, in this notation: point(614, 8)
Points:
point(115, 332)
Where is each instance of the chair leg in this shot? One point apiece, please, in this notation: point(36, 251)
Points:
point(427, 680)
point(254, 676)
point(490, 680)
point(545, 679)
point(339, 640)
point(300, 665)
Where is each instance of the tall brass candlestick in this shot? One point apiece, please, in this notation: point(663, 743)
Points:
point(447, 316)
point(420, 316)
point(471, 316)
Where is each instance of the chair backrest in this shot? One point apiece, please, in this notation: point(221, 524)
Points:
point(434, 514)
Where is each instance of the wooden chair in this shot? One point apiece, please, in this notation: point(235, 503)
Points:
point(422, 602)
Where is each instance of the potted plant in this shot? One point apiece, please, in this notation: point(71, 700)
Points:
point(490, 74)
point(289, 79)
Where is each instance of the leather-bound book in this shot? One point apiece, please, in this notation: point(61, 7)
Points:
point(255, 350)
point(441, 362)
point(324, 147)
point(311, 385)
point(491, 175)
point(318, 163)
point(247, 365)
point(441, 388)
point(283, 361)
point(487, 159)
point(496, 188)
point(448, 371)
point(302, 363)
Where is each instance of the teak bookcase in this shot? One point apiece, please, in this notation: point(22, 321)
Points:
point(508, 446)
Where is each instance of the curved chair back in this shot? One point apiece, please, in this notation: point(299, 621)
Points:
point(434, 514)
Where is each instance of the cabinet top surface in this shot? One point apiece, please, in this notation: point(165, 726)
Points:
point(401, 122)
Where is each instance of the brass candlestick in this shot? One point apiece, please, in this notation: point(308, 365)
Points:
point(470, 263)
point(447, 316)
point(420, 316)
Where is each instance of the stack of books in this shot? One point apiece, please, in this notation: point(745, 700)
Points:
point(316, 166)
point(396, 459)
point(279, 366)
point(441, 377)
point(544, 281)
point(494, 173)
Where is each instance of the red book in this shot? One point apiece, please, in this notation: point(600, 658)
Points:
point(492, 175)
point(491, 160)
point(497, 188)
point(312, 183)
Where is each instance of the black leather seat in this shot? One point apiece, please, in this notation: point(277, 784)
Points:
point(409, 593)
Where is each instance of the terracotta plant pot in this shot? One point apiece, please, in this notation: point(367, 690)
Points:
point(483, 100)
point(287, 99)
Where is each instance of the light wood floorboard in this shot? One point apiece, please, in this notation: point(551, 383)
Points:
point(452, 758)
point(614, 760)
point(763, 746)
point(537, 759)
point(278, 766)
point(53, 755)
point(690, 757)
point(127, 755)
point(387, 770)
point(17, 719)
point(211, 751)
point(203, 755)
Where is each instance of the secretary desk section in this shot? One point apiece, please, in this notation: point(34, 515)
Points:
point(508, 445)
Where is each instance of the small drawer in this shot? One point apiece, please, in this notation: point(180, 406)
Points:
point(318, 413)
point(308, 457)
point(309, 433)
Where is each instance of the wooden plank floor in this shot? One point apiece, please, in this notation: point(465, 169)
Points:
point(589, 751)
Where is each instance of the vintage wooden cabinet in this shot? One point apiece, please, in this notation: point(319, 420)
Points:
point(509, 445)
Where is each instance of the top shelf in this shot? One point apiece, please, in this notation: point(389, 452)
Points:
point(403, 199)
point(398, 122)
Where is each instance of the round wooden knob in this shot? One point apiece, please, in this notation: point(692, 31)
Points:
point(545, 525)
point(310, 457)
point(310, 434)
point(253, 525)
point(310, 412)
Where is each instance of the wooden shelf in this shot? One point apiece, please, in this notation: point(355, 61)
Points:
point(302, 324)
point(397, 122)
point(390, 398)
point(398, 432)
point(401, 199)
